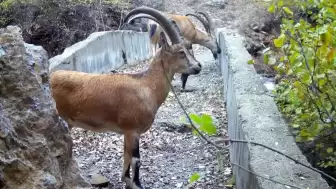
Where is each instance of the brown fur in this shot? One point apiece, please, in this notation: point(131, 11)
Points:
point(108, 101)
point(189, 31)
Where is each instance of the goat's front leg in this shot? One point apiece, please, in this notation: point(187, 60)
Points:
point(125, 177)
point(132, 157)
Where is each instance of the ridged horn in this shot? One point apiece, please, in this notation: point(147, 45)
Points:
point(207, 16)
point(164, 22)
point(143, 16)
point(204, 22)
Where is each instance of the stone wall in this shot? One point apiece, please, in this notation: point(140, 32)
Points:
point(103, 52)
point(253, 115)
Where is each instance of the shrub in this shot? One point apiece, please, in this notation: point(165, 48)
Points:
point(306, 49)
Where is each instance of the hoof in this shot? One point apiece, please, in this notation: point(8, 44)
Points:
point(133, 186)
point(187, 90)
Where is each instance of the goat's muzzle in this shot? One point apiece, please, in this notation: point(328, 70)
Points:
point(215, 54)
point(219, 50)
point(196, 69)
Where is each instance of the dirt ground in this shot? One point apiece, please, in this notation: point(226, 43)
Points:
point(170, 154)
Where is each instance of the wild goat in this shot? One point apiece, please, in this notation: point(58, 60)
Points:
point(189, 32)
point(124, 103)
point(208, 25)
point(138, 24)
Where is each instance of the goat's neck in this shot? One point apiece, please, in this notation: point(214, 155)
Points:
point(203, 39)
point(159, 78)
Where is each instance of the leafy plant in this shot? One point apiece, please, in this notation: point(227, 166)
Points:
point(7, 3)
point(307, 95)
point(202, 122)
point(194, 178)
point(205, 124)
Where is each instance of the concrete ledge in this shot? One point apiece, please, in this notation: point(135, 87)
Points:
point(104, 51)
point(253, 115)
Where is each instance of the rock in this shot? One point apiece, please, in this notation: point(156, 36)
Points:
point(179, 185)
point(252, 47)
point(255, 27)
point(99, 180)
point(35, 145)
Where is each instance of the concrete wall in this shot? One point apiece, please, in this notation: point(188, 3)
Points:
point(102, 52)
point(253, 115)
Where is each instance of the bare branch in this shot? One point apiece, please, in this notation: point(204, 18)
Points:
point(264, 177)
point(241, 141)
point(189, 119)
point(287, 156)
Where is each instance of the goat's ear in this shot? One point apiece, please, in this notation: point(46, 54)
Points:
point(163, 41)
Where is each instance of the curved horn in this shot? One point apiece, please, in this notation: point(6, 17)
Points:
point(162, 20)
point(204, 22)
point(207, 16)
point(143, 16)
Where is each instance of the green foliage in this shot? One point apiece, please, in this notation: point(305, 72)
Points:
point(230, 182)
point(250, 61)
point(203, 122)
point(6, 4)
point(194, 178)
point(4, 9)
point(278, 6)
point(307, 95)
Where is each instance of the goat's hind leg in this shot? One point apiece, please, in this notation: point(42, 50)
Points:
point(136, 163)
point(132, 155)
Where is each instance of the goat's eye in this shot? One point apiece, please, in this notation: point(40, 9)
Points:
point(181, 53)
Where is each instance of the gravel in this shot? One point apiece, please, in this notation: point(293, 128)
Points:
point(170, 153)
